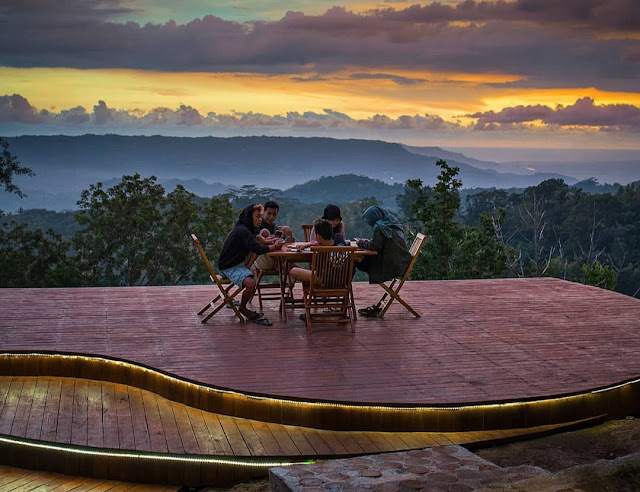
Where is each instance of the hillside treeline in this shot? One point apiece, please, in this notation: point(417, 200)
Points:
point(138, 233)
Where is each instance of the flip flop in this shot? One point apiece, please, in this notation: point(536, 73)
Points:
point(255, 316)
point(260, 321)
point(235, 303)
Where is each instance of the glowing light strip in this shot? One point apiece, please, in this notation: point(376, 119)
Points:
point(602, 390)
point(133, 366)
point(149, 456)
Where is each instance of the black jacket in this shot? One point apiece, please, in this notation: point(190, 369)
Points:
point(392, 259)
point(237, 246)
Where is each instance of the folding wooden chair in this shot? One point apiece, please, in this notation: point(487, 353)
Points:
point(267, 291)
point(226, 294)
point(392, 291)
point(330, 286)
point(306, 230)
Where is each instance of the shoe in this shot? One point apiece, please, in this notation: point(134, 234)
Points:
point(370, 312)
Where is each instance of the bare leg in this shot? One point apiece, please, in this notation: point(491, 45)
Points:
point(301, 274)
point(249, 289)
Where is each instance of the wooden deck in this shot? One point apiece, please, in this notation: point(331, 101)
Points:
point(17, 479)
point(488, 360)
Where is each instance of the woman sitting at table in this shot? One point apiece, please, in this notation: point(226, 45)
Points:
point(332, 215)
point(393, 256)
point(324, 237)
point(239, 243)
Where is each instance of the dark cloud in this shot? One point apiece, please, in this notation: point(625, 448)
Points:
point(553, 43)
point(75, 116)
point(383, 76)
point(16, 109)
point(583, 113)
point(609, 15)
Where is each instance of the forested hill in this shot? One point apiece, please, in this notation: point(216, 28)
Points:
point(281, 162)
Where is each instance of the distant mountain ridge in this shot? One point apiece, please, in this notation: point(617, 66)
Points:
point(65, 165)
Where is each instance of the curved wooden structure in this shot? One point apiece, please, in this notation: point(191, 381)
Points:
point(489, 360)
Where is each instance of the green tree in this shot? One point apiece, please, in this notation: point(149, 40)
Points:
point(120, 243)
point(32, 258)
point(10, 167)
point(436, 211)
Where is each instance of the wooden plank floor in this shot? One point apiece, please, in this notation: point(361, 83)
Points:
point(115, 416)
point(18, 479)
point(485, 340)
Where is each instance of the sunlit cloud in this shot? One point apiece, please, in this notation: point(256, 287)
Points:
point(426, 69)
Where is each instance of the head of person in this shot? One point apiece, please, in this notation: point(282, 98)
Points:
point(382, 219)
point(271, 210)
point(251, 217)
point(332, 215)
point(374, 214)
point(324, 232)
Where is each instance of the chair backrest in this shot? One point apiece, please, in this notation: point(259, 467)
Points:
point(331, 269)
point(415, 249)
point(306, 229)
point(212, 273)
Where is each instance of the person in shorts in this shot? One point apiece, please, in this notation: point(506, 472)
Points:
point(239, 244)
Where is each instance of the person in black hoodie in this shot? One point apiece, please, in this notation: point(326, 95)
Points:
point(239, 243)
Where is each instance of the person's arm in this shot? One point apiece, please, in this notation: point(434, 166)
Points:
point(375, 244)
point(251, 244)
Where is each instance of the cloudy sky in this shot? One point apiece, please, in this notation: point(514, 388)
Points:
point(546, 73)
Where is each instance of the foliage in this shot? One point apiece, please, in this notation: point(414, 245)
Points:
point(32, 258)
point(553, 229)
point(10, 167)
point(453, 250)
point(63, 223)
point(135, 235)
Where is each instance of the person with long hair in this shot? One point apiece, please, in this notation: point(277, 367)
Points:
point(237, 246)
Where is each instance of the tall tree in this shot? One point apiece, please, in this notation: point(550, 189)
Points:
point(121, 238)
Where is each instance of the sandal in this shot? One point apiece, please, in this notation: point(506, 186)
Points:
point(259, 319)
point(235, 303)
point(370, 312)
point(255, 316)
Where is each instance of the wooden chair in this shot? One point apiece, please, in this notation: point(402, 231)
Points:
point(226, 294)
point(267, 291)
point(392, 291)
point(330, 286)
point(306, 229)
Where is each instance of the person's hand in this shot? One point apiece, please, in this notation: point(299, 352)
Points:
point(278, 244)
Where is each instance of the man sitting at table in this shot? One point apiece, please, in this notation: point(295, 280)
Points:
point(324, 237)
point(269, 233)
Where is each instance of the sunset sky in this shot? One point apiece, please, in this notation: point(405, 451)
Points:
point(545, 73)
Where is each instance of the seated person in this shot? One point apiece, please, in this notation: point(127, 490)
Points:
point(324, 237)
point(332, 215)
point(239, 243)
point(393, 256)
point(269, 233)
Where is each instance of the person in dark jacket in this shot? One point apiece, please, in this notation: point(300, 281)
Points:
point(393, 256)
point(239, 243)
